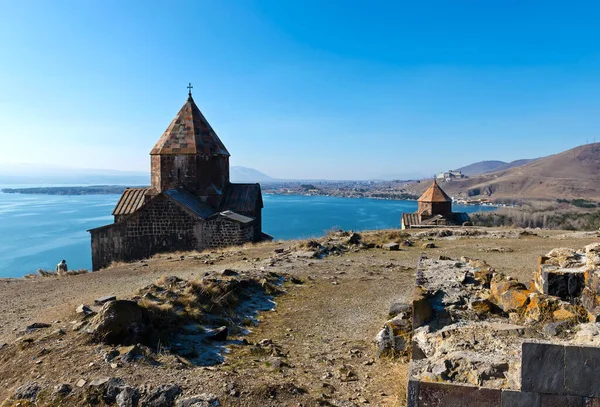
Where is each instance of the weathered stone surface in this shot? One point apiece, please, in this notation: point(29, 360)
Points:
point(105, 299)
point(398, 307)
point(84, 309)
point(582, 365)
point(201, 400)
point(555, 328)
point(412, 393)
point(589, 402)
point(563, 315)
point(448, 395)
point(392, 246)
point(422, 311)
point(163, 396)
point(27, 391)
point(513, 300)
point(552, 400)
point(481, 306)
point(542, 368)
point(512, 398)
point(128, 397)
point(120, 322)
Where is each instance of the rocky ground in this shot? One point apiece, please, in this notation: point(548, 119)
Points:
point(315, 347)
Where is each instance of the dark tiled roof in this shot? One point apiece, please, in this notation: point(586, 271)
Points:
point(131, 200)
point(409, 219)
point(435, 194)
point(191, 202)
point(242, 198)
point(454, 219)
point(190, 133)
point(236, 217)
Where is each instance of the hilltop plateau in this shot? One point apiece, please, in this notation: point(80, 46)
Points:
point(298, 317)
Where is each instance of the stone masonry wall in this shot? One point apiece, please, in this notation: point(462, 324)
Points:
point(160, 226)
point(222, 232)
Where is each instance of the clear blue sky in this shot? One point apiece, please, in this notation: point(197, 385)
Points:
point(301, 89)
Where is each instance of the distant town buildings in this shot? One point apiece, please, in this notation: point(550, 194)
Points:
point(190, 205)
point(450, 175)
point(434, 210)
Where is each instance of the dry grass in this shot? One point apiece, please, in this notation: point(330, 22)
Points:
point(382, 237)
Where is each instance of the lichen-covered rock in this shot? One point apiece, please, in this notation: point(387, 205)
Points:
point(513, 299)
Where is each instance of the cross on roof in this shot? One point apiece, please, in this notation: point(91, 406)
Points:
point(190, 87)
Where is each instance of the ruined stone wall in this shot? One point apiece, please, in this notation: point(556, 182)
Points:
point(480, 338)
point(160, 226)
point(222, 232)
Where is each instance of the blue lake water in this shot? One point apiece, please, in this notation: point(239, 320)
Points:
point(37, 231)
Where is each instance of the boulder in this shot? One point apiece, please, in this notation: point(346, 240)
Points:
point(392, 246)
point(163, 396)
point(120, 322)
point(429, 245)
point(201, 400)
point(128, 397)
point(407, 243)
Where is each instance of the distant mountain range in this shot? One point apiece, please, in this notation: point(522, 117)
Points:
point(572, 174)
point(39, 174)
point(484, 167)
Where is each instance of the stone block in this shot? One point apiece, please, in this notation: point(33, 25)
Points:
point(450, 395)
point(512, 398)
point(553, 400)
point(582, 365)
point(542, 368)
point(412, 394)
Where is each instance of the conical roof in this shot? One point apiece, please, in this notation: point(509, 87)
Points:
point(189, 133)
point(435, 194)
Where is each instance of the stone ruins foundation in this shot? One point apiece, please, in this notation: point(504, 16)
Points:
point(476, 337)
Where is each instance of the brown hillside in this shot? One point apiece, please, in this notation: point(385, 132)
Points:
point(571, 174)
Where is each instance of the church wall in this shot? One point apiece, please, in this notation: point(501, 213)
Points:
point(160, 226)
point(222, 232)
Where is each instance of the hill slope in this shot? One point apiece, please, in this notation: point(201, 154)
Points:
point(571, 174)
point(484, 167)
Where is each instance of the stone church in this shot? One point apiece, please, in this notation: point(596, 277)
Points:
point(190, 205)
point(434, 210)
